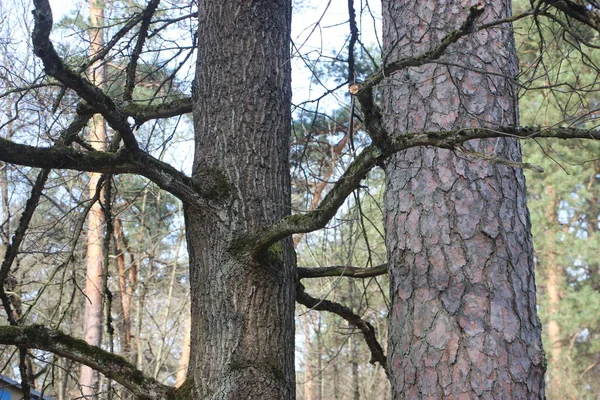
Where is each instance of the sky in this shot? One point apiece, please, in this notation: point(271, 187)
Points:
point(319, 30)
point(318, 27)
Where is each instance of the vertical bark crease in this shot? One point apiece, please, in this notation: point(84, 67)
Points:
point(463, 322)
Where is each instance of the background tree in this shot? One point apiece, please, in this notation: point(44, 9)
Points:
point(563, 200)
point(94, 282)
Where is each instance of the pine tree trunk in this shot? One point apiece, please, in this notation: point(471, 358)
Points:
point(553, 271)
point(242, 335)
point(127, 283)
point(92, 329)
point(310, 372)
point(184, 360)
point(463, 321)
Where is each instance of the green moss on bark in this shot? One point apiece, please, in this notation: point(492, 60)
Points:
point(219, 187)
point(184, 392)
point(270, 367)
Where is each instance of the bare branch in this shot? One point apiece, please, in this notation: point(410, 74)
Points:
point(135, 19)
point(352, 42)
point(55, 67)
point(318, 218)
point(342, 270)
point(491, 158)
point(366, 328)
point(142, 113)
point(111, 365)
point(206, 185)
point(374, 155)
point(12, 249)
point(435, 53)
point(578, 12)
point(139, 45)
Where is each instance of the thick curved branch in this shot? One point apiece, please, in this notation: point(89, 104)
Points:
point(54, 66)
point(336, 152)
point(374, 155)
point(111, 365)
point(206, 185)
point(318, 218)
point(365, 328)
point(342, 270)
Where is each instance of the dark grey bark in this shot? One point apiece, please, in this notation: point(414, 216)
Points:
point(463, 321)
point(242, 304)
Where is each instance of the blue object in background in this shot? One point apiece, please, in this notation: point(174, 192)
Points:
point(4, 395)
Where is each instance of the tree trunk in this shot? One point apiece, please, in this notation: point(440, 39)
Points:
point(127, 283)
point(242, 304)
point(92, 329)
point(184, 360)
point(310, 372)
point(463, 321)
point(554, 278)
point(353, 350)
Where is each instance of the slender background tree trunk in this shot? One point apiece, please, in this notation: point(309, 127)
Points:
point(92, 329)
point(463, 320)
point(184, 361)
point(242, 306)
point(554, 279)
point(127, 283)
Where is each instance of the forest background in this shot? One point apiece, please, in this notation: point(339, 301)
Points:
point(145, 315)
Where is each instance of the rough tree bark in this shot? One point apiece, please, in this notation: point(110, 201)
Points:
point(92, 319)
point(242, 303)
point(463, 321)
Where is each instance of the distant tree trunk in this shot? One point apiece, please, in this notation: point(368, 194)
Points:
point(309, 369)
point(594, 225)
point(463, 320)
point(318, 356)
point(167, 309)
point(184, 361)
point(336, 386)
point(353, 351)
point(127, 282)
point(554, 276)
point(242, 304)
point(92, 328)
point(140, 299)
